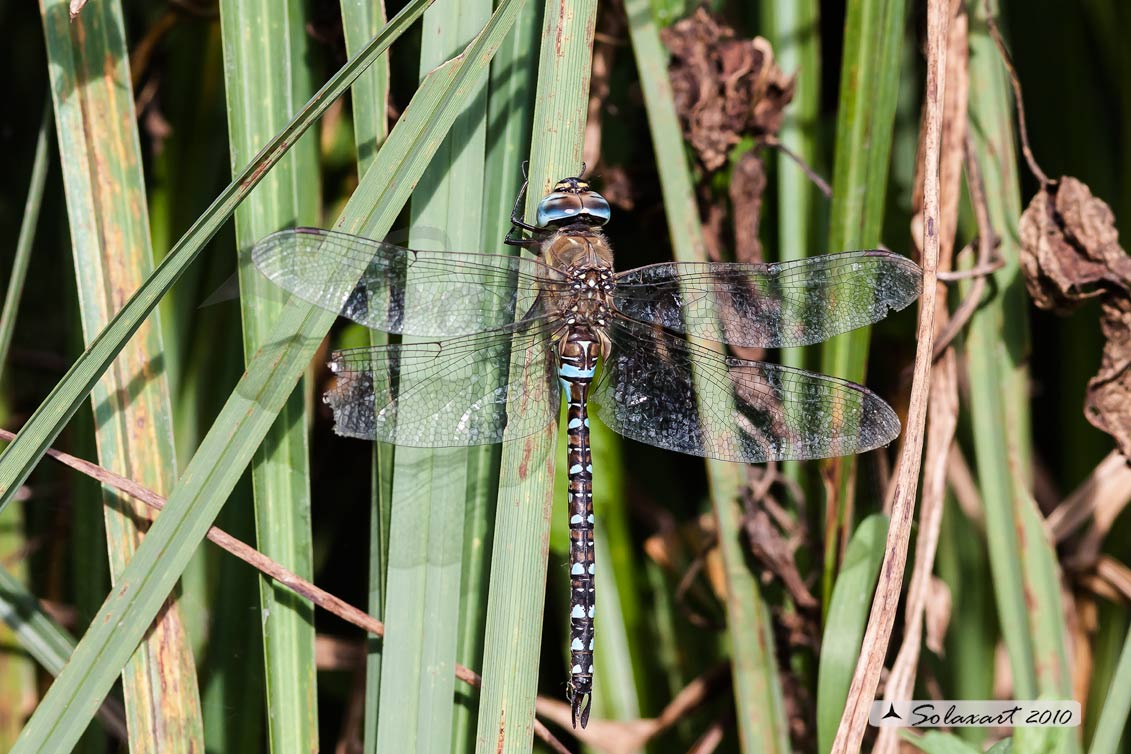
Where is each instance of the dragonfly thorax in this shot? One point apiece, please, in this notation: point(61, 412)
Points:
point(584, 298)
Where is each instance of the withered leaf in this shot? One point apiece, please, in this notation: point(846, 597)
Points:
point(724, 87)
point(1070, 252)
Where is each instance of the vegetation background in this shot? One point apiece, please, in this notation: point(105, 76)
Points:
point(733, 601)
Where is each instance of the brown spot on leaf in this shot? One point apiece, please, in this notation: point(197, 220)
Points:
point(524, 464)
point(1070, 253)
point(725, 87)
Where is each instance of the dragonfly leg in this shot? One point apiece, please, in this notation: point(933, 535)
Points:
point(534, 244)
point(518, 225)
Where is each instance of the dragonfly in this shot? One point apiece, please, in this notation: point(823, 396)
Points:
point(496, 341)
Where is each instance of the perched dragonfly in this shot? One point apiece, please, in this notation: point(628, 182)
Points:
point(494, 374)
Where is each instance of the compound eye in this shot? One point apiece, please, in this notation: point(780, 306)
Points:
point(565, 207)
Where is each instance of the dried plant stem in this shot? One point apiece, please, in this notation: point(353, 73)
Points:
point(1099, 498)
point(987, 246)
point(822, 185)
point(867, 674)
point(942, 412)
point(1015, 82)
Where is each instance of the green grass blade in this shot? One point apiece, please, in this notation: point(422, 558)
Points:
point(869, 89)
point(997, 343)
point(431, 490)
point(758, 697)
point(1116, 705)
point(510, 107)
point(619, 656)
point(27, 236)
point(519, 556)
point(793, 28)
point(361, 19)
point(846, 620)
point(1052, 644)
point(100, 155)
point(249, 412)
point(961, 564)
point(267, 77)
point(41, 637)
point(869, 93)
point(52, 415)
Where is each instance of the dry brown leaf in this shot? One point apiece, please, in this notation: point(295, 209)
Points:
point(1070, 252)
point(724, 87)
point(774, 553)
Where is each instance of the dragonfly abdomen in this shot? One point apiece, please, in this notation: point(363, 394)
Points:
point(577, 362)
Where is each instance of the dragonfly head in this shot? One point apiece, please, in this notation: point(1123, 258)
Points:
point(572, 201)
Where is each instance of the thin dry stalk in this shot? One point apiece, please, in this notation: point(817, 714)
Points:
point(961, 481)
point(822, 185)
point(1015, 82)
point(710, 739)
point(986, 264)
point(862, 691)
point(1100, 497)
point(943, 407)
point(1116, 575)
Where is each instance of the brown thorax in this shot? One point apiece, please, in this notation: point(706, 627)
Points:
point(586, 298)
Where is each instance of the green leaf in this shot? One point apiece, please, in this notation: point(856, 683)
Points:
point(519, 556)
point(845, 624)
point(100, 156)
point(268, 77)
point(869, 93)
point(431, 489)
point(994, 373)
point(361, 19)
point(1116, 705)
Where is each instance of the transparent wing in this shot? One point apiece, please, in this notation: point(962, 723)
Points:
point(455, 392)
point(747, 411)
point(770, 305)
point(386, 287)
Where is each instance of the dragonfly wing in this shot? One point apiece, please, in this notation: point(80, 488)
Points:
point(770, 305)
point(397, 290)
point(455, 392)
point(746, 411)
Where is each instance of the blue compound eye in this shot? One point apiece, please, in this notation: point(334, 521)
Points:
point(564, 207)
